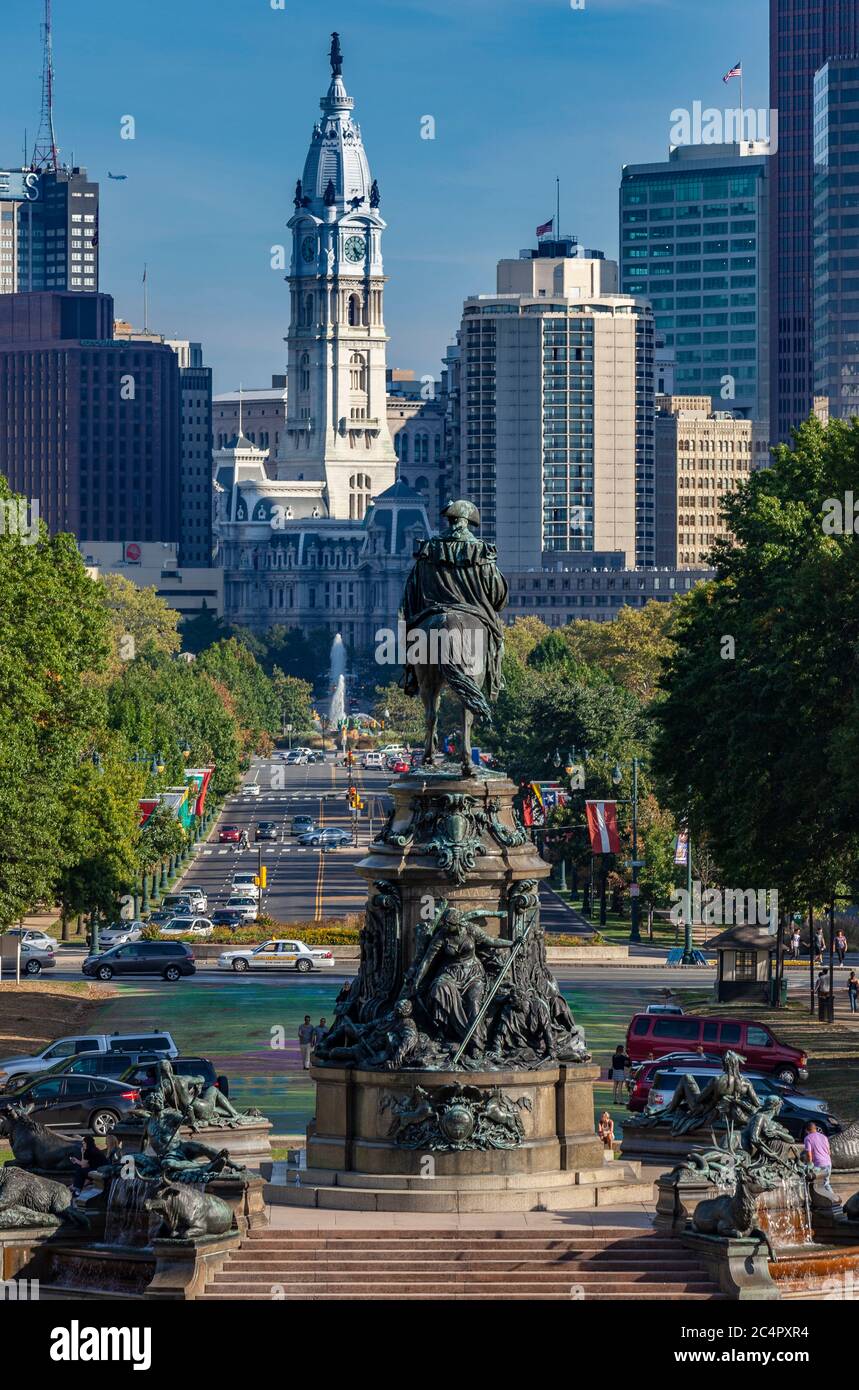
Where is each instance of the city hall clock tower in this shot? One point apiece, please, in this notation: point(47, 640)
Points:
point(336, 429)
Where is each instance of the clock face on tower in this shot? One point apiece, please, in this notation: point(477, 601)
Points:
point(308, 248)
point(354, 248)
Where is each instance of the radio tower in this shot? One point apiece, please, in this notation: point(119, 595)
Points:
point(45, 149)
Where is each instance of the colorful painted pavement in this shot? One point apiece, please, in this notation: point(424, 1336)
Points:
point(250, 1032)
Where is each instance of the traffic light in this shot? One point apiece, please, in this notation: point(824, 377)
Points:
point(263, 876)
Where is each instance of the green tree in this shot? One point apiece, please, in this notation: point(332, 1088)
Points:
point(405, 715)
point(294, 698)
point(141, 622)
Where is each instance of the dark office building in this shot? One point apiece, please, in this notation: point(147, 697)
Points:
point(57, 241)
point(836, 236)
point(89, 425)
point(803, 35)
point(195, 383)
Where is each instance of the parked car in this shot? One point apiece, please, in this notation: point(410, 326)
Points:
point(229, 835)
point(155, 1040)
point(276, 954)
point(266, 830)
point(245, 884)
point(199, 897)
point(644, 1072)
point(244, 904)
point(35, 957)
point(797, 1110)
point(330, 838)
point(33, 937)
point(169, 959)
point(371, 760)
point(144, 1073)
point(95, 1103)
point(652, 1035)
point(227, 917)
point(110, 1064)
point(302, 825)
point(188, 926)
point(673, 1009)
point(119, 932)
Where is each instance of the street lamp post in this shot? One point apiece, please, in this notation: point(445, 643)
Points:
point(635, 926)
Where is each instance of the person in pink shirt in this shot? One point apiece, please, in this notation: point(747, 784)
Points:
point(817, 1149)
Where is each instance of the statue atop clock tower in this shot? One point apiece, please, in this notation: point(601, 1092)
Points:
point(336, 429)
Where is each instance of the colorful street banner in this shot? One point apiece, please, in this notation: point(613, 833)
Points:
point(681, 848)
point(602, 826)
point(199, 779)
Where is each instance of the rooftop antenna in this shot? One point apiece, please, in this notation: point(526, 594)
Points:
point(240, 410)
point(45, 154)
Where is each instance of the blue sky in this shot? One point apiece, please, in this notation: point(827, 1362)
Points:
point(224, 94)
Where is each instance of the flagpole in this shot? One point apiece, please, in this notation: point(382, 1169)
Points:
point(742, 106)
point(558, 208)
point(145, 301)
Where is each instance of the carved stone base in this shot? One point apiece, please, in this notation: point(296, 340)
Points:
point(360, 1121)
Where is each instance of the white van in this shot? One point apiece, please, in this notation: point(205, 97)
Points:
point(372, 760)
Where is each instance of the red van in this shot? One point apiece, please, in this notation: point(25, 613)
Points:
point(652, 1035)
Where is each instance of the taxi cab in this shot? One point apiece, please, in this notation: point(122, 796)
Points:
point(276, 954)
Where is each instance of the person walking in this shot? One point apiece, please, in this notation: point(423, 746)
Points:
point(817, 1150)
point(819, 946)
point(841, 947)
point(306, 1033)
point(319, 1032)
point(853, 992)
point(605, 1130)
point(617, 1072)
point(794, 943)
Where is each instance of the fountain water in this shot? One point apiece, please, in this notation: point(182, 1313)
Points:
point(337, 710)
point(127, 1222)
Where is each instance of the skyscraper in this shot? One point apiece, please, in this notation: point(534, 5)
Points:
point(556, 408)
point(694, 238)
point(803, 35)
point(836, 236)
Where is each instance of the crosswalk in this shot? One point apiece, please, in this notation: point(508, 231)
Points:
point(275, 849)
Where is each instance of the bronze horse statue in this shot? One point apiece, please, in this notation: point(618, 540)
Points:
point(454, 636)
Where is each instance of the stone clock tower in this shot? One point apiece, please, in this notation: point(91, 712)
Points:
point(336, 431)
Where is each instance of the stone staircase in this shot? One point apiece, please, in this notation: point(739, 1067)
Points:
point(612, 1184)
point(587, 1264)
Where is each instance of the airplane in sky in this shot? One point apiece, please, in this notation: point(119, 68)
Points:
point(118, 177)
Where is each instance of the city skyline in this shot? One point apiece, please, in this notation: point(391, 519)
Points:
point(453, 204)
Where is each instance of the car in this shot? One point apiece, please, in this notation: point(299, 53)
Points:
point(244, 882)
point(33, 937)
point(178, 902)
point(199, 897)
point(155, 1040)
point(371, 760)
point(302, 825)
point(33, 957)
point(266, 830)
point(119, 932)
point(111, 1064)
point(144, 1073)
point(650, 1035)
point(673, 1009)
point(276, 954)
point(797, 1109)
point(330, 838)
point(295, 757)
point(169, 959)
point(229, 835)
point(247, 906)
point(391, 748)
point(188, 926)
point(644, 1072)
point(96, 1103)
point(251, 789)
point(401, 765)
point(227, 917)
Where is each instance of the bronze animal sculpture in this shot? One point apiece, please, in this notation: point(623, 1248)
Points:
point(35, 1146)
point(187, 1212)
point(29, 1200)
point(732, 1214)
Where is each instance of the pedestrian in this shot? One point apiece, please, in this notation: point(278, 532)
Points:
point(319, 1032)
point(91, 1157)
point(841, 947)
point(794, 943)
point(617, 1072)
point(605, 1130)
point(853, 992)
point(817, 1149)
point(305, 1037)
point(819, 946)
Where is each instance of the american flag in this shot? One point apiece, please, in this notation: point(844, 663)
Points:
point(546, 227)
point(735, 71)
